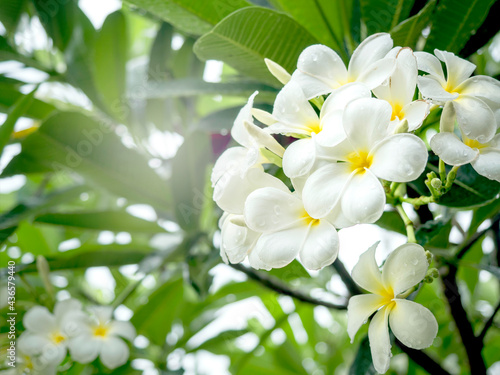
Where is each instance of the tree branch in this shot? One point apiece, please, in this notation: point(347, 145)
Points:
point(472, 240)
point(352, 287)
point(423, 360)
point(487, 325)
point(281, 288)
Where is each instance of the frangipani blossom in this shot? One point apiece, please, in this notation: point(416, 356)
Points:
point(320, 70)
point(47, 335)
point(230, 172)
point(350, 190)
point(31, 363)
point(288, 231)
point(484, 157)
point(100, 336)
point(474, 99)
point(400, 90)
point(412, 324)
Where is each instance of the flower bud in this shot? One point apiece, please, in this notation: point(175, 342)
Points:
point(436, 183)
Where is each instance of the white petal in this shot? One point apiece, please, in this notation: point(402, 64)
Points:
point(63, 307)
point(413, 324)
point(452, 150)
point(377, 73)
point(475, 119)
point(265, 117)
point(237, 239)
point(399, 158)
point(457, 69)
point(123, 329)
point(230, 194)
point(293, 111)
point(363, 200)
point(366, 121)
point(232, 161)
point(238, 131)
point(319, 71)
point(278, 249)
point(432, 89)
point(405, 267)
point(430, 64)
point(299, 158)
point(270, 209)
point(324, 187)
point(262, 138)
point(359, 309)
point(372, 49)
point(255, 262)
point(102, 313)
point(39, 320)
point(487, 163)
point(332, 132)
point(32, 343)
point(366, 272)
point(380, 343)
point(340, 97)
point(114, 353)
point(84, 349)
point(74, 322)
point(483, 87)
point(278, 71)
point(320, 247)
point(415, 113)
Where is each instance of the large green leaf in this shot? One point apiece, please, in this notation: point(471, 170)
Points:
point(58, 19)
point(10, 13)
point(249, 35)
point(191, 16)
point(434, 233)
point(454, 22)
point(409, 31)
point(391, 220)
point(116, 221)
point(383, 15)
point(9, 96)
point(72, 142)
point(110, 59)
point(190, 169)
point(362, 364)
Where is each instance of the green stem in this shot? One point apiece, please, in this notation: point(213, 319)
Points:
point(442, 170)
point(410, 230)
point(420, 201)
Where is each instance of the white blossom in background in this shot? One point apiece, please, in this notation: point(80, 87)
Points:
point(47, 335)
point(400, 90)
point(33, 364)
point(101, 336)
point(412, 324)
point(474, 99)
point(351, 191)
point(320, 70)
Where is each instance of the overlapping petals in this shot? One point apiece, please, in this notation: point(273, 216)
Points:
point(412, 324)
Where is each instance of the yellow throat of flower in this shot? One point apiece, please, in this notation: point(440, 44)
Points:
point(57, 337)
point(308, 220)
point(359, 161)
point(472, 143)
point(397, 111)
point(314, 127)
point(101, 331)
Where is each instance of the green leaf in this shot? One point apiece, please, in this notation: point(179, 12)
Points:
point(9, 96)
point(494, 270)
point(293, 271)
point(483, 213)
point(155, 318)
point(246, 37)
point(17, 110)
point(110, 59)
point(409, 31)
point(58, 19)
point(383, 15)
point(434, 233)
point(10, 13)
point(188, 87)
point(191, 16)
point(391, 220)
point(454, 22)
point(363, 364)
point(116, 221)
point(72, 142)
point(190, 169)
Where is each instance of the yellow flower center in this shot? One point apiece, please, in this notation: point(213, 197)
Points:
point(388, 295)
point(309, 221)
point(472, 143)
point(359, 161)
point(397, 111)
point(101, 331)
point(58, 338)
point(314, 127)
point(28, 362)
point(450, 87)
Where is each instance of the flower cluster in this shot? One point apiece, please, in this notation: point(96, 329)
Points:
point(86, 335)
point(352, 136)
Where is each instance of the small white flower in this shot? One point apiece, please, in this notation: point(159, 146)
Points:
point(350, 190)
point(474, 99)
point(237, 240)
point(100, 336)
point(320, 70)
point(484, 157)
point(400, 90)
point(412, 324)
point(288, 231)
point(47, 335)
point(31, 363)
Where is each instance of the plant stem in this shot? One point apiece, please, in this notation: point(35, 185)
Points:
point(410, 231)
point(442, 171)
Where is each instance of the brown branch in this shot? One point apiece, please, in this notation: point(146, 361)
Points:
point(487, 325)
point(352, 287)
point(472, 240)
point(423, 360)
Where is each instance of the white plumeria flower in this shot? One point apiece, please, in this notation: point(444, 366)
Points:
point(400, 90)
point(474, 99)
point(484, 157)
point(294, 115)
point(230, 172)
point(288, 231)
point(412, 324)
point(47, 335)
point(320, 70)
point(100, 336)
point(350, 190)
point(31, 360)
